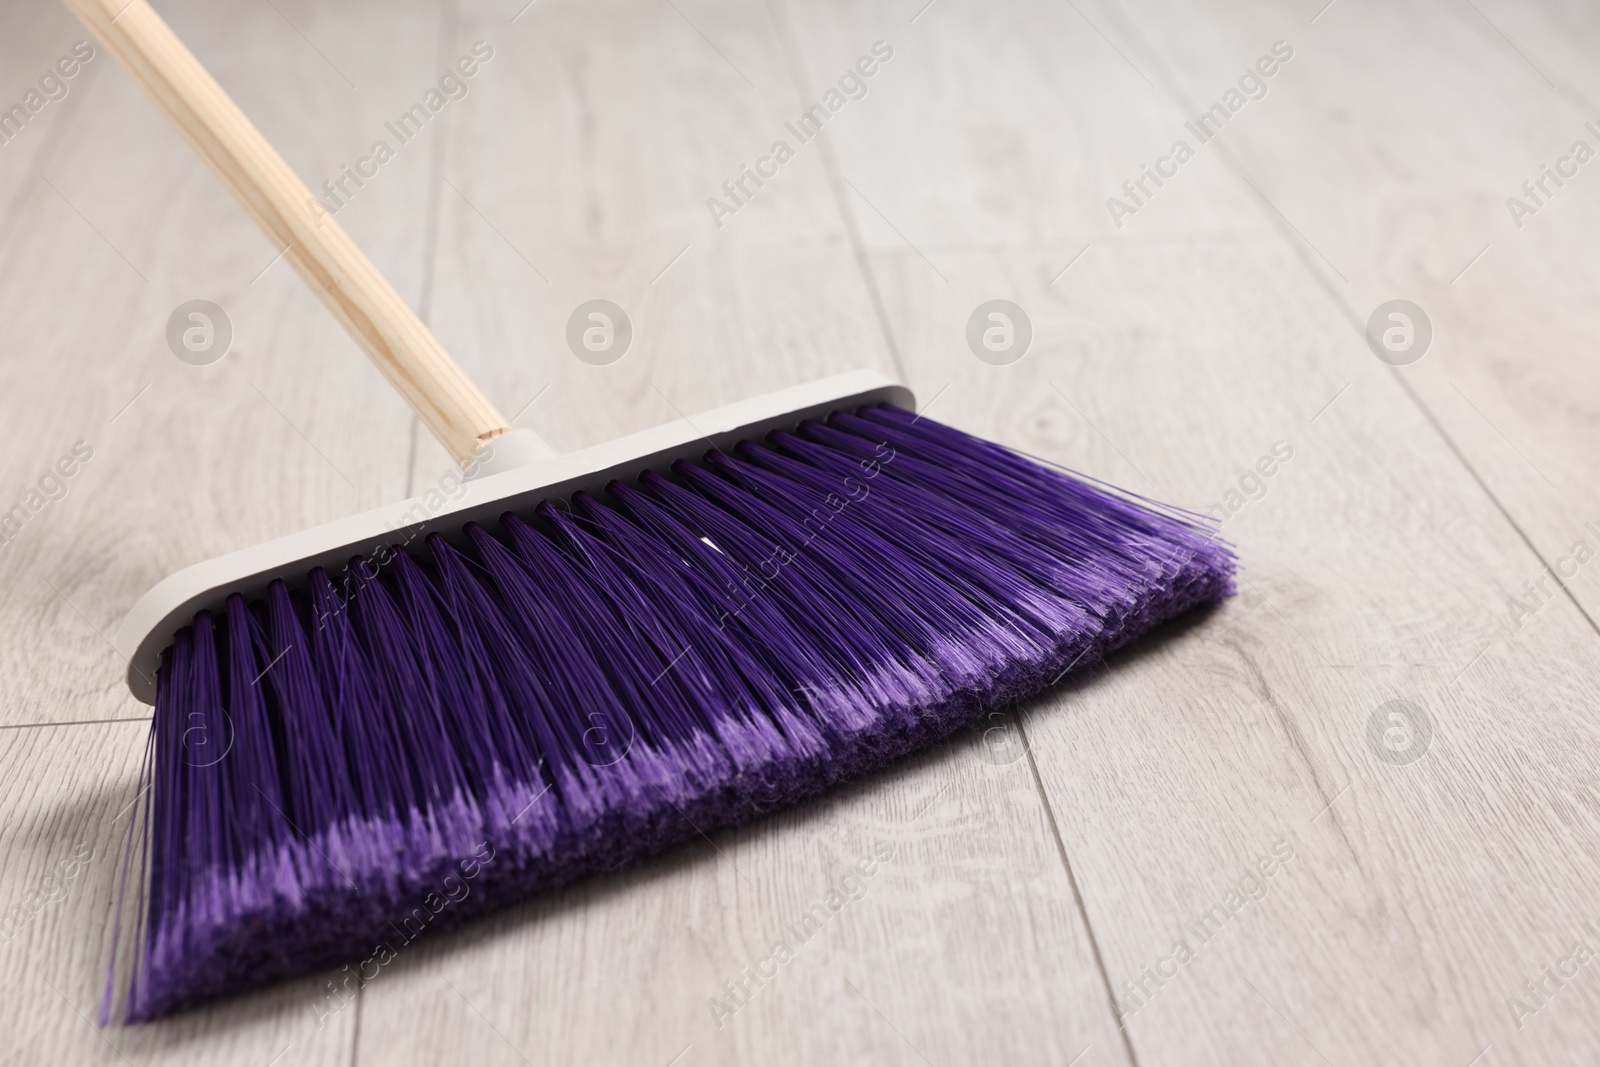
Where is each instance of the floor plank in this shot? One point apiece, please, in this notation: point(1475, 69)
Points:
point(1042, 870)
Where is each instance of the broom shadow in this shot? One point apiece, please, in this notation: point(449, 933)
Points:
point(98, 814)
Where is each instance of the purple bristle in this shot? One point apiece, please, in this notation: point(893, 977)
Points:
point(366, 757)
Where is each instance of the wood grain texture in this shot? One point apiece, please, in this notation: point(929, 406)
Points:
point(1006, 131)
point(1382, 206)
point(1049, 862)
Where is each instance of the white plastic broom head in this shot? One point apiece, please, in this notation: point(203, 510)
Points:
point(506, 475)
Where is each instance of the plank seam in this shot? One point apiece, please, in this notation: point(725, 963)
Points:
point(1077, 895)
point(790, 43)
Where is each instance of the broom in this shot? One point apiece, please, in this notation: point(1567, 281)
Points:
point(414, 715)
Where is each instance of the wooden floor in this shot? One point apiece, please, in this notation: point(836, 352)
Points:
point(1231, 847)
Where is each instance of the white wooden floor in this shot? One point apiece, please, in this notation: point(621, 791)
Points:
point(1432, 896)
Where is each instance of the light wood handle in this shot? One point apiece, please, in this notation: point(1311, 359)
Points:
point(402, 346)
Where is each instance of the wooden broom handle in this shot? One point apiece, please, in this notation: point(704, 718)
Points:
point(404, 349)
